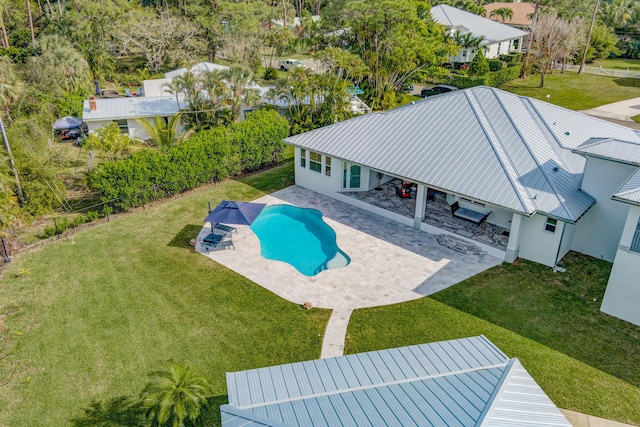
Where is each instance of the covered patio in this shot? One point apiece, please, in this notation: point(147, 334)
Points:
point(437, 214)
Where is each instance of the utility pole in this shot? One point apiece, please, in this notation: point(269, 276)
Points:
point(13, 163)
point(586, 46)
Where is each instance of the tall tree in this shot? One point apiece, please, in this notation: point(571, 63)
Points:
point(33, 36)
point(176, 395)
point(551, 39)
point(586, 46)
point(503, 13)
point(395, 38)
point(9, 86)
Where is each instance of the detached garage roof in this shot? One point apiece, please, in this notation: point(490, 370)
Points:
point(484, 143)
point(477, 25)
point(465, 382)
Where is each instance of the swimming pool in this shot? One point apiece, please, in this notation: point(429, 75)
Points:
point(298, 236)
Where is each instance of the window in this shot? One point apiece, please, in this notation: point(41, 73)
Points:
point(635, 243)
point(464, 52)
point(354, 182)
point(303, 158)
point(315, 161)
point(123, 125)
point(551, 225)
point(327, 165)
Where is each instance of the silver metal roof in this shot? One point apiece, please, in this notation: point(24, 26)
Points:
point(126, 108)
point(455, 383)
point(492, 31)
point(483, 143)
point(611, 149)
point(629, 192)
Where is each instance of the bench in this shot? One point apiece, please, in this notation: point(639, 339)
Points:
point(468, 214)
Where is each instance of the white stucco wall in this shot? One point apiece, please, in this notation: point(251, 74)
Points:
point(622, 296)
point(567, 240)
point(539, 245)
point(135, 129)
point(598, 231)
point(493, 50)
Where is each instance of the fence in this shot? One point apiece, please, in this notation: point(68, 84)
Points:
point(600, 71)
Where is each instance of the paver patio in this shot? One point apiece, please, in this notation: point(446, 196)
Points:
point(390, 262)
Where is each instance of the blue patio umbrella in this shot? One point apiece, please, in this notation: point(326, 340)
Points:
point(230, 212)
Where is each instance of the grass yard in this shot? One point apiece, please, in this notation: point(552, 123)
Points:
point(584, 359)
point(620, 63)
point(576, 91)
point(87, 317)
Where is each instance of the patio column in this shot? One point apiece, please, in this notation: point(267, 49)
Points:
point(421, 204)
point(513, 247)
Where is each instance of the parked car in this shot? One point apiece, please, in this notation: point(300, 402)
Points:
point(288, 64)
point(407, 87)
point(436, 90)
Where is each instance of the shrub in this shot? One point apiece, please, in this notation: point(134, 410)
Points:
point(209, 155)
point(479, 65)
point(494, 79)
point(495, 65)
point(270, 73)
point(512, 58)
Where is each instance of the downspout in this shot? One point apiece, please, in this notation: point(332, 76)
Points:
point(555, 262)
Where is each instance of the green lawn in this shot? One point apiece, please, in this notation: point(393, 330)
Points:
point(101, 309)
point(621, 63)
point(584, 359)
point(576, 91)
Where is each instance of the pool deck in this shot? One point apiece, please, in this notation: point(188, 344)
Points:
point(390, 262)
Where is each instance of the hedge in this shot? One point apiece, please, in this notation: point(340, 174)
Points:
point(495, 65)
point(493, 79)
point(209, 155)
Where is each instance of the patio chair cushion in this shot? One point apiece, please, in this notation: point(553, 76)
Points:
point(402, 193)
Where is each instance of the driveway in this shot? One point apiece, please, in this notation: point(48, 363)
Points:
point(621, 110)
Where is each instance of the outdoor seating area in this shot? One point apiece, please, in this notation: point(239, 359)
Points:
point(438, 214)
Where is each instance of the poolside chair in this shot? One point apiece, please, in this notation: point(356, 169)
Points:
point(127, 92)
point(226, 228)
point(222, 244)
point(402, 193)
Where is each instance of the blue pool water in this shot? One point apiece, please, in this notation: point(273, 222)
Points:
point(299, 237)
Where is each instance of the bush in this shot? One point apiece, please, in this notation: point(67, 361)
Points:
point(512, 58)
point(479, 65)
point(494, 79)
point(270, 73)
point(17, 54)
point(209, 155)
point(495, 65)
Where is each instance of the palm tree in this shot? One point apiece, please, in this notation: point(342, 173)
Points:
point(175, 395)
point(174, 87)
point(189, 85)
point(503, 13)
point(9, 86)
point(164, 133)
point(239, 79)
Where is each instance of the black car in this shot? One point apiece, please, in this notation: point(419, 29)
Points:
point(437, 90)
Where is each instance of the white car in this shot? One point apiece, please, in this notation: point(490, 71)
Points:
point(288, 64)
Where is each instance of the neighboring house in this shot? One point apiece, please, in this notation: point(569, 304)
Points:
point(499, 39)
point(97, 113)
point(463, 382)
point(522, 13)
point(541, 177)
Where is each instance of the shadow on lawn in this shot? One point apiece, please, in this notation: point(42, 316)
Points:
point(128, 411)
point(119, 411)
point(627, 82)
point(181, 240)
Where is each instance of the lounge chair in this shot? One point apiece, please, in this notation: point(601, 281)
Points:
point(127, 92)
point(402, 193)
point(212, 239)
point(225, 228)
point(222, 244)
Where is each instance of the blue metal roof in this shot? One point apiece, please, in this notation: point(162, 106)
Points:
point(452, 383)
point(611, 149)
point(629, 192)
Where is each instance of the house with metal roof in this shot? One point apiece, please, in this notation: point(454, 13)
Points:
point(498, 39)
point(463, 382)
point(535, 180)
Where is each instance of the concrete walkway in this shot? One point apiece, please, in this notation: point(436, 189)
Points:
point(621, 110)
point(583, 420)
point(334, 335)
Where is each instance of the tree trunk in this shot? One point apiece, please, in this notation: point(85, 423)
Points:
point(40, 8)
point(33, 36)
point(3, 29)
point(8, 114)
point(284, 13)
point(542, 76)
point(586, 46)
point(50, 8)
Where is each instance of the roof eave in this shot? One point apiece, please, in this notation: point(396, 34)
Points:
point(599, 156)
